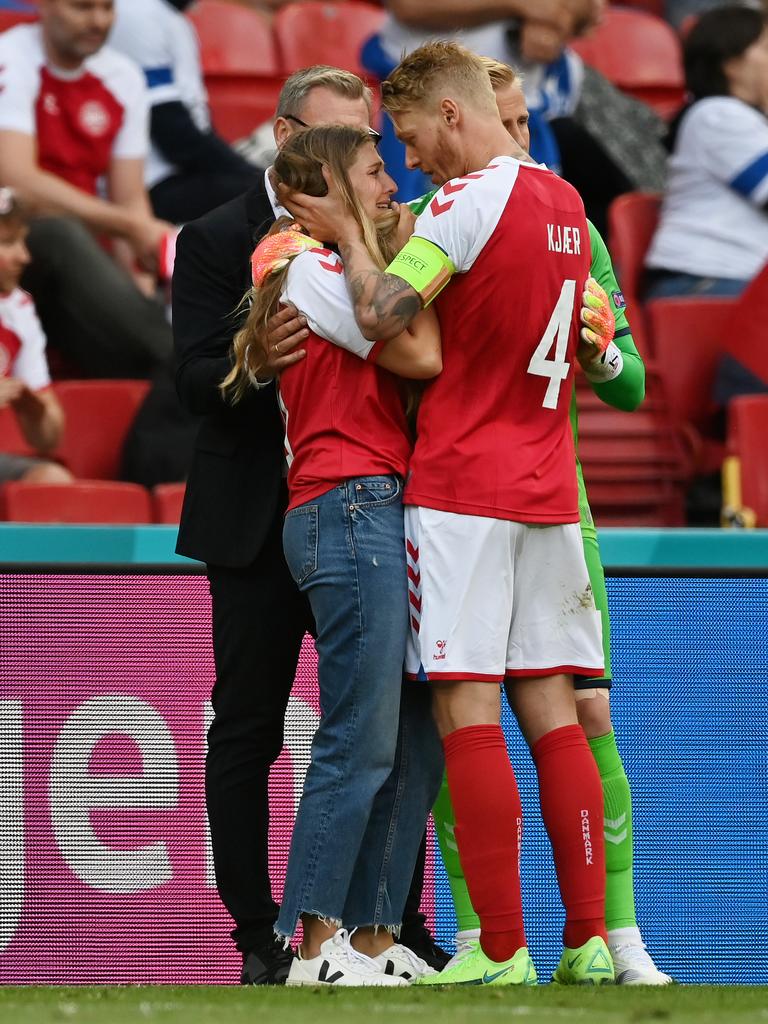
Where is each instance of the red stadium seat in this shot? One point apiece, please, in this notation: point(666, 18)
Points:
point(746, 337)
point(234, 40)
point(99, 414)
point(640, 54)
point(167, 500)
point(240, 103)
point(634, 467)
point(632, 220)
point(12, 440)
point(689, 339)
point(643, 504)
point(240, 63)
point(313, 32)
point(87, 501)
point(747, 434)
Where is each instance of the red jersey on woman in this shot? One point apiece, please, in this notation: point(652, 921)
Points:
point(343, 415)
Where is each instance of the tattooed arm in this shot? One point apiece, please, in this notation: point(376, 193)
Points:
point(384, 304)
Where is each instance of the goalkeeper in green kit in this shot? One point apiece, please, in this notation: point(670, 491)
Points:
point(618, 378)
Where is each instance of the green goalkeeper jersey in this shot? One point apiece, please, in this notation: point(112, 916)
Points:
point(626, 389)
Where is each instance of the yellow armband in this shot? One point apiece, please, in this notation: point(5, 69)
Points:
point(424, 266)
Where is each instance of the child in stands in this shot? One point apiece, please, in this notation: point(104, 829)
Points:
point(24, 377)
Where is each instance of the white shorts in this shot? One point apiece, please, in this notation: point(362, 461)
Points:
point(490, 598)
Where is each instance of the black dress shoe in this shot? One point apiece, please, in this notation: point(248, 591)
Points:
point(266, 965)
point(419, 939)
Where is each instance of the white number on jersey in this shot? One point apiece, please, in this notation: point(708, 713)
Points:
point(556, 333)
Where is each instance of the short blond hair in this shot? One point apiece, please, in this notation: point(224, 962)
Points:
point(432, 68)
point(302, 82)
point(500, 74)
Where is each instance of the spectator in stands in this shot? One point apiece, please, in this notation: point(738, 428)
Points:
point(604, 142)
point(91, 309)
point(190, 169)
point(24, 378)
point(712, 237)
point(72, 124)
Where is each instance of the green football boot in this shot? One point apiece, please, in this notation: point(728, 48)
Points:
point(474, 968)
point(590, 964)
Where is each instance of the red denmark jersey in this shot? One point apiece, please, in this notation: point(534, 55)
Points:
point(343, 415)
point(81, 120)
point(494, 438)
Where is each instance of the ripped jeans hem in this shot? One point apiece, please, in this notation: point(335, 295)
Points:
point(335, 922)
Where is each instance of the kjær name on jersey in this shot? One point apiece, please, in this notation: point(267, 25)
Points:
point(563, 239)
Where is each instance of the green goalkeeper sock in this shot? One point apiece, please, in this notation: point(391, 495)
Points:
point(619, 891)
point(445, 823)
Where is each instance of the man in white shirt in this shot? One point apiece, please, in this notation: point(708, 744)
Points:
point(190, 170)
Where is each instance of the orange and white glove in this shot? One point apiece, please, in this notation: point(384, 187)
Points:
point(597, 317)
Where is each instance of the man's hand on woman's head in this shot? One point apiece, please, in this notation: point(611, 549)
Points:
point(327, 218)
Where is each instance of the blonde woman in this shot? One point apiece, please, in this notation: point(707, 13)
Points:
point(376, 761)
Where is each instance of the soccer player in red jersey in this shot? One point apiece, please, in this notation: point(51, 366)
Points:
point(499, 586)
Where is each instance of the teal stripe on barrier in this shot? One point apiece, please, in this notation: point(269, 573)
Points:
point(89, 545)
point(154, 545)
point(685, 549)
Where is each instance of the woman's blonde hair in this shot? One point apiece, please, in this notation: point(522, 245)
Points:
point(299, 166)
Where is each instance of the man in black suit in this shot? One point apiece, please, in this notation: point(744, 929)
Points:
point(232, 521)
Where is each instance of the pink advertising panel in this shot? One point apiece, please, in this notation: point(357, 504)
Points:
point(105, 866)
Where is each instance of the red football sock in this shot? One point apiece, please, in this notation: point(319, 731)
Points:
point(489, 823)
point(572, 808)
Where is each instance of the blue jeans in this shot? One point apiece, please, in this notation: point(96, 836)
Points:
point(376, 758)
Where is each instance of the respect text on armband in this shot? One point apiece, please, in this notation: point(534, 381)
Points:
point(411, 261)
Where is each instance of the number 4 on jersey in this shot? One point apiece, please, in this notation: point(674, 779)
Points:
point(557, 332)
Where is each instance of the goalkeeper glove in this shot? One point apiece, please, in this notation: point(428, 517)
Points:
point(597, 317)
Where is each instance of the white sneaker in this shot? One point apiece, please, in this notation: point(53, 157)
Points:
point(631, 961)
point(401, 962)
point(339, 964)
point(465, 943)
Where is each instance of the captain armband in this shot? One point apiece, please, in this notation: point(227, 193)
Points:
point(424, 266)
point(607, 367)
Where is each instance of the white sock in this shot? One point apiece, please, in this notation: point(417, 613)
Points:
point(625, 937)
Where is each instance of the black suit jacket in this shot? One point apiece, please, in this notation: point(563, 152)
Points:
point(234, 489)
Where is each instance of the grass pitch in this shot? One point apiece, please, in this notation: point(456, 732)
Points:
point(232, 1005)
